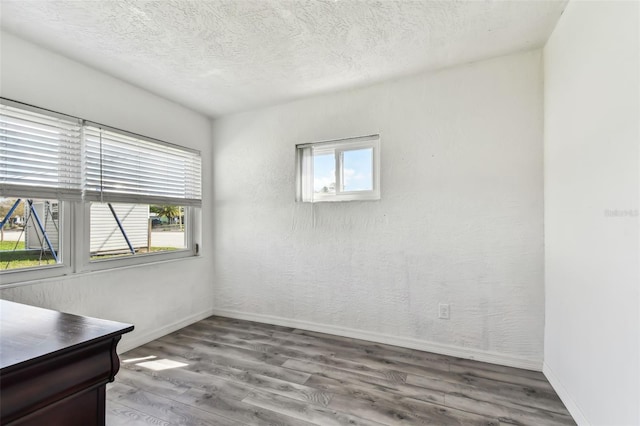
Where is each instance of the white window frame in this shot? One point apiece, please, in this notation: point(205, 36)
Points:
point(305, 174)
point(192, 226)
point(75, 224)
point(83, 242)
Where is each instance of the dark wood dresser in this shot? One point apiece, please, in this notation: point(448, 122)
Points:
point(54, 367)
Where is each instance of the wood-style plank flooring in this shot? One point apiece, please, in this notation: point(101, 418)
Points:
point(222, 371)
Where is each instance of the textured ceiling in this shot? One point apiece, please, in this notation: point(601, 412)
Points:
point(224, 56)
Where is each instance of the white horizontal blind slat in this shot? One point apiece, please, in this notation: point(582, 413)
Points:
point(40, 155)
point(122, 168)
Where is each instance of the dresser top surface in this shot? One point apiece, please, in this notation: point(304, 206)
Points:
point(28, 332)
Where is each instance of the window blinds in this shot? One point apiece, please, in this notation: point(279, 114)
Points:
point(121, 167)
point(40, 154)
point(44, 154)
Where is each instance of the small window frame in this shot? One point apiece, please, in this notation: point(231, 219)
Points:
point(304, 169)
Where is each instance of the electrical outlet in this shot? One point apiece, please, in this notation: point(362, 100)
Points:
point(443, 310)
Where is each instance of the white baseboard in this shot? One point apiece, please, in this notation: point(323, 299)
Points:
point(131, 342)
point(405, 342)
point(565, 396)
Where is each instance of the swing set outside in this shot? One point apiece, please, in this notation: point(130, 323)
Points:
point(24, 257)
point(19, 257)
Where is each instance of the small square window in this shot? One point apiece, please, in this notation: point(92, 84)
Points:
point(340, 170)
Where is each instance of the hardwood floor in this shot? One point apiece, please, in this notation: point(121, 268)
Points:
point(221, 371)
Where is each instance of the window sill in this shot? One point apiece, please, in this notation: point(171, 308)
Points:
point(87, 273)
point(343, 199)
point(16, 277)
point(135, 260)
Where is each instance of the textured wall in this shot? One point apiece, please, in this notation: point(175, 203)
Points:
point(592, 108)
point(155, 298)
point(460, 220)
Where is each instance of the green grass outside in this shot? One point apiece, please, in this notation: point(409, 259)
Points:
point(14, 256)
point(9, 245)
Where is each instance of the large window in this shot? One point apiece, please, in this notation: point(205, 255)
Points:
point(133, 199)
point(40, 175)
point(340, 170)
point(141, 193)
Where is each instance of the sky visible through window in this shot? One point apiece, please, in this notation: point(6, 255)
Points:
point(357, 171)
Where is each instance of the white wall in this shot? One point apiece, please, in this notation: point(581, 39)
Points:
point(155, 298)
point(460, 220)
point(591, 169)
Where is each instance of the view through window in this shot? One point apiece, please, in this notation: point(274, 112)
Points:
point(340, 170)
point(30, 233)
point(128, 229)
